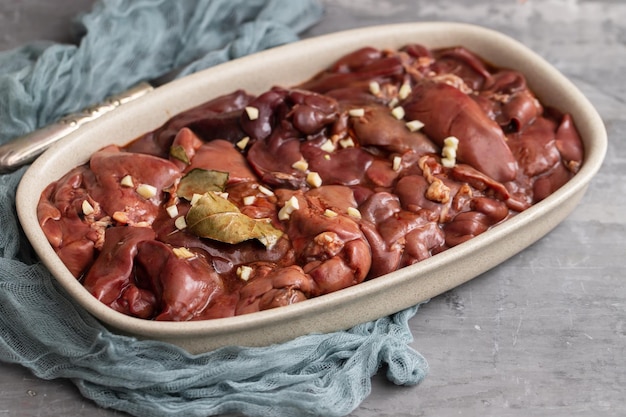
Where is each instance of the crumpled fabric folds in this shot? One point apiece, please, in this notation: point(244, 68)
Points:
point(119, 43)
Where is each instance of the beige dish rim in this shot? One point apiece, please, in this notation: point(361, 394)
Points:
point(552, 87)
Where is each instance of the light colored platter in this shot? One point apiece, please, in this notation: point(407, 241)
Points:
point(286, 66)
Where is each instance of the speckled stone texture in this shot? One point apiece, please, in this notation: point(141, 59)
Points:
point(543, 334)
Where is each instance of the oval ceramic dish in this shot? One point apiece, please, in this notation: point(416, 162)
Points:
point(289, 65)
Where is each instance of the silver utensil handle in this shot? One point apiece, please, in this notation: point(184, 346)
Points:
point(25, 149)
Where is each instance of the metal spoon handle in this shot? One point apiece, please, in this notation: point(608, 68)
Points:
point(27, 148)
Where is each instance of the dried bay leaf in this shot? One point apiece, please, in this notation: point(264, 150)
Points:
point(201, 181)
point(216, 218)
point(179, 153)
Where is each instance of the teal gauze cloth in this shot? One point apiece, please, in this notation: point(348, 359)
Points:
point(122, 42)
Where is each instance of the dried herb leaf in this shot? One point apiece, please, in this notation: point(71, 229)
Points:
point(216, 218)
point(201, 181)
point(265, 233)
point(179, 153)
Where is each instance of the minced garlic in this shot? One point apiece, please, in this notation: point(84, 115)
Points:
point(414, 125)
point(356, 112)
point(252, 112)
point(346, 143)
point(183, 253)
point(180, 223)
point(328, 146)
point(87, 208)
point(404, 91)
point(243, 143)
point(172, 211)
point(244, 272)
point(127, 181)
point(195, 198)
point(290, 206)
point(266, 191)
point(314, 179)
point(398, 112)
point(354, 212)
point(330, 213)
point(448, 152)
point(397, 163)
point(374, 88)
point(300, 165)
point(146, 191)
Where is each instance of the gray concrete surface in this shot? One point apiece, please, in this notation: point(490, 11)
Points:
point(543, 334)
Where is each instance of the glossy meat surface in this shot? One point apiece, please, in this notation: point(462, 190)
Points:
point(247, 203)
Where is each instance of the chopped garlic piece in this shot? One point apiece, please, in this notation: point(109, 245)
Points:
point(325, 237)
point(222, 194)
point(244, 272)
point(353, 212)
point(103, 222)
point(293, 202)
point(87, 208)
point(327, 157)
point(146, 191)
point(120, 217)
point(314, 179)
point(346, 143)
point(451, 141)
point(397, 163)
point(404, 91)
point(414, 125)
point(398, 112)
point(249, 200)
point(374, 88)
point(183, 253)
point(290, 206)
point(172, 211)
point(252, 112)
point(448, 163)
point(266, 191)
point(243, 143)
point(195, 198)
point(300, 165)
point(328, 146)
point(448, 152)
point(330, 213)
point(180, 223)
point(127, 181)
point(393, 103)
point(357, 112)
